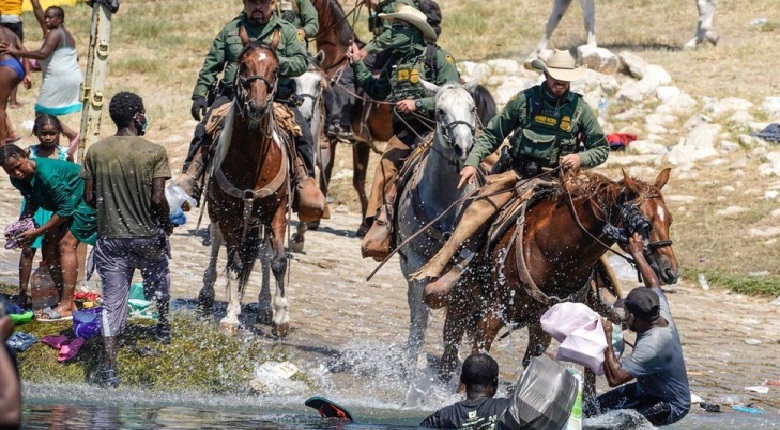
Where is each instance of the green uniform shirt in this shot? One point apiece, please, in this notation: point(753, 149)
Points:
point(56, 187)
point(301, 14)
point(400, 78)
point(227, 46)
point(384, 37)
point(122, 169)
point(547, 132)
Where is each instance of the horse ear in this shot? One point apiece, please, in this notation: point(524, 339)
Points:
point(474, 81)
point(275, 39)
point(630, 183)
point(243, 35)
point(431, 88)
point(320, 56)
point(663, 178)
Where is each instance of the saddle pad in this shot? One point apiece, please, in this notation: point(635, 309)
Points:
point(285, 119)
point(412, 161)
point(527, 193)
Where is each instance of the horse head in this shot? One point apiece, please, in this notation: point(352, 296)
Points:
point(310, 85)
point(653, 223)
point(256, 78)
point(456, 120)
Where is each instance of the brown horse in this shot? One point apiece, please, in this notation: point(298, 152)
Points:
point(371, 120)
point(550, 259)
point(249, 188)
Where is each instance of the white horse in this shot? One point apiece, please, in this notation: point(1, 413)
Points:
point(309, 87)
point(704, 30)
point(431, 189)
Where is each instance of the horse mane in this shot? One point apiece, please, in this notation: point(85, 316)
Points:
point(345, 32)
point(598, 190)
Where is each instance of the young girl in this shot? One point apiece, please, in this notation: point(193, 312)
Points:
point(47, 129)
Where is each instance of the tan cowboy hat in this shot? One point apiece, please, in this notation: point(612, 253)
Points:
point(561, 66)
point(414, 17)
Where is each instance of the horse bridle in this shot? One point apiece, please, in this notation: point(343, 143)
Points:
point(240, 88)
point(447, 135)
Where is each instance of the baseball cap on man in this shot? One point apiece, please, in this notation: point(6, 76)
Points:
point(643, 303)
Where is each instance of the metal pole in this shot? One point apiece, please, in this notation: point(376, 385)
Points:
point(92, 96)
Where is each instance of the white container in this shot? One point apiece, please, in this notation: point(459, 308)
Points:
point(43, 290)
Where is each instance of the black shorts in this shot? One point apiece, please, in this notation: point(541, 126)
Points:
point(16, 27)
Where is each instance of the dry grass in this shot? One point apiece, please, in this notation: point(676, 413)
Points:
point(158, 46)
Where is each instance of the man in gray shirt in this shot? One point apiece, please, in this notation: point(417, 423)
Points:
point(661, 392)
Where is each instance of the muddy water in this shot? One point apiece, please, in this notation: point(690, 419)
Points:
point(350, 332)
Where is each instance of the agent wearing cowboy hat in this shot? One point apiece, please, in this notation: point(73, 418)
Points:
point(400, 82)
point(545, 125)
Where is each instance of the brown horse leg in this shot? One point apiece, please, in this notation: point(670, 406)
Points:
point(487, 329)
point(281, 321)
point(538, 342)
point(360, 153)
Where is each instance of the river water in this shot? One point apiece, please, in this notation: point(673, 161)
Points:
point(86, 407)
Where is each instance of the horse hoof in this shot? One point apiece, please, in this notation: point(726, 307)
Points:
point(229, 327)
point(281, 330)
point(296, 245)
point(265, 317)
point(314, 225)
point(204, 307)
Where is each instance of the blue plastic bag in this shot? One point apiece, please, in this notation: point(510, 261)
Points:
point(88, 322)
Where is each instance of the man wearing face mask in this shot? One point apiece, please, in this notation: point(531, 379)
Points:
point(400, 82)
point(257, 22)
point(546, 125)
point(125, 181)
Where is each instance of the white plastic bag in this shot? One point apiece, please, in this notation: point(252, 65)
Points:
point(585, 346)
point(565, 318)
point(177, 197)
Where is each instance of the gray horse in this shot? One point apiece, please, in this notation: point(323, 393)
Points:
point(431, 189)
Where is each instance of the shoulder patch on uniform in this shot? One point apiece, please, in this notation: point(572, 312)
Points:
point(450, 59)
point(300, 36)
point(513, 98)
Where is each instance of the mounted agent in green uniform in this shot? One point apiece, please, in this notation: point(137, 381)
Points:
point(302, 14)
point(256, 22)
point(546, 125)
point(400, 82)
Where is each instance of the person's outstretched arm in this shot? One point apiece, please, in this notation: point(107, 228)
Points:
point(38, 12)
point(635, 248)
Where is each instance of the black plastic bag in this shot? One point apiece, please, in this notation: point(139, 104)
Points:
point(543, 398)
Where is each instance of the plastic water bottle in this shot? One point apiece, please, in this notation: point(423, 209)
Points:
point(42, 288)
point(575, 419)
point(703, 282)
point(603, 107)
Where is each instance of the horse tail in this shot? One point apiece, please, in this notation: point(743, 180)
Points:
point(486, 105)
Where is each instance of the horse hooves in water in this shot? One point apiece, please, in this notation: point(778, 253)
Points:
point(281, 330)
point(265, 317)
point(296, 243)
point(314, 225)
point(205, 304)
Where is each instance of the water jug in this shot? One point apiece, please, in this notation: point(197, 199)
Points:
point(42, 288)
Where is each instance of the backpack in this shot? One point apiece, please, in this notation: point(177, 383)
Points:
point(432, 11)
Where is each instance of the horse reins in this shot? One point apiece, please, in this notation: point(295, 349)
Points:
point(473, 195)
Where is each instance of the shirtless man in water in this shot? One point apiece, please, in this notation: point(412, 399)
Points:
point(12, 72)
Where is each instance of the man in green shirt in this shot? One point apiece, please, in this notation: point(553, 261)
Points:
point(301, 14)
point(547, 124)
point(400, 83)
point(125, 181)
point(256, 22)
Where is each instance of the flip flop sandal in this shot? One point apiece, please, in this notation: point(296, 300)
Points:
point(55, 342)
point(52, 316)
point(70, 349)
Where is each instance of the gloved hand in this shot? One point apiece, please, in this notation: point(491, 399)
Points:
point(199, 106)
